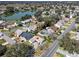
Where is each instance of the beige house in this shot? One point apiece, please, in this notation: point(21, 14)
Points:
point(36, 41)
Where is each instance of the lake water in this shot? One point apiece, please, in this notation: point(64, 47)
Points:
point(17, 15)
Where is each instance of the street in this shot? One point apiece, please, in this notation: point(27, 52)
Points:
point(52, 49)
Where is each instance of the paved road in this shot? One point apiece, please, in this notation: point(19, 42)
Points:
point(52, 49)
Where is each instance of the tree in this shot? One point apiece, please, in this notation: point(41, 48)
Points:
point(46, 13)
point(9, 11)
point(70, 45)
point(26, 17)
point(48, 39)
point(2, 50)
point(20, 50)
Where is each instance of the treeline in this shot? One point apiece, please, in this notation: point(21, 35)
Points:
point(42, 2)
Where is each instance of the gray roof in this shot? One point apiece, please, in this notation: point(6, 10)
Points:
point(26, 35)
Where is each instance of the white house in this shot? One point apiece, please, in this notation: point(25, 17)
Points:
point(30, 28)
point(46, 32)
point(77, 35)
point(1, 34)
point(26, 21)
point(18, 32)
point(1, 21)
point(66, 19)
point(36, 41)
point(60, 23)
point(49, 30)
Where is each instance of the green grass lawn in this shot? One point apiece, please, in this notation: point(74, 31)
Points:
point(59, 55)
point(2, 41)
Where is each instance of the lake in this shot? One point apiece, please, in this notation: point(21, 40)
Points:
point(17, 15)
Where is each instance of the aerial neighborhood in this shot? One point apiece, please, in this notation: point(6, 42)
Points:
point(39, 29)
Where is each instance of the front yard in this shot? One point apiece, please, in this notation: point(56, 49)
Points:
point(58, 55)
point(2, 41)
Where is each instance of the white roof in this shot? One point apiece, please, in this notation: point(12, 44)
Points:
point(1, 33)
point(60, 23)
point(27, 20)
point(1, 22)
point(32, 27)
point(37, 39)
point(50, 31)
point(18, 31)
point(66, 19)
point(35, 45)
point(77, 36)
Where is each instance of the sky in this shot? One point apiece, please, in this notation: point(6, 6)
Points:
point(39, 0)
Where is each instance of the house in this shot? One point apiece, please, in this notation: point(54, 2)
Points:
point(7, 25)
point(54, 28)
point(77, 20)
point(18, 32)
point(1, 34)
point(2, 9)
point(77, 35)
point(43, 33)
point(11, 25)
point(49, 30)
point(26, 21)
point(7, 39)
point(3, 25)
point(60, 23)
point(1, 21)
point(46, 32)
point(66, 19)
point(36, 41)
point(72, 14)
point(30, 28)
point(24, 36)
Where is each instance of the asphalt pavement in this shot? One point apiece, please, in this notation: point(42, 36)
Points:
point(53, 48)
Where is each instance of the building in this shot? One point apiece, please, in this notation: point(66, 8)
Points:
point(46, 32)
point(24, 36)
point(1, 34)
point(30, 28)
point(1, 21)
point(7, 25)
point(49, 30)
point(43, 33)
point(18, 32)
point(26, 21)
point(11, 25)
point(36, 41)
point(7, 39)
point(60, 23)
point(77, 35)
point(66, 19)
point(2, 9)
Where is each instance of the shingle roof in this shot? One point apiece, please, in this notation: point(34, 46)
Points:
point(26, 35)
